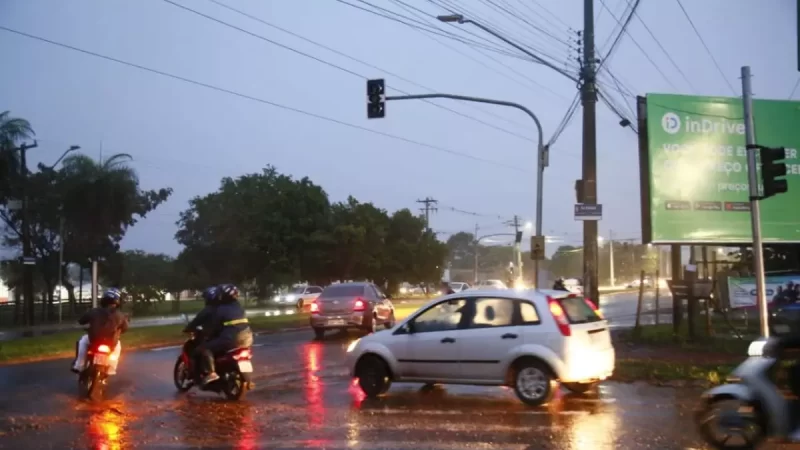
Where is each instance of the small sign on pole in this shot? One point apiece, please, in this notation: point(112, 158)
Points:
point(29, 261)
point(537, 248)
point(588, 212)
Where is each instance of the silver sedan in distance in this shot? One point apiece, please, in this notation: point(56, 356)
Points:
point(351, 305)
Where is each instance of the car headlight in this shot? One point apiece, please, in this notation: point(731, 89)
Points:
point(352, 345)
point(277, 298)
point(290, 298)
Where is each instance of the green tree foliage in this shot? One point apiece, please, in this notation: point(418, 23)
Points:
point(271, 230)
point(146, 277)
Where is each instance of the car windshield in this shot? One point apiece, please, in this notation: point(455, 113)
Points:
point(297, 290)
point(578, 311)
point(346, 290)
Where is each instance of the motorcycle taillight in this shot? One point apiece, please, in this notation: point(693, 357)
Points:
point(103, 349)
point(242, 354)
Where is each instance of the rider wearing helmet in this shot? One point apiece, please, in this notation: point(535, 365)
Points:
point(559, 285)
point(229, 330)
point(106, 324)
point(204, 317)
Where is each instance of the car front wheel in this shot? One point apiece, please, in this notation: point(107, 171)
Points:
point(373, 376)
point(533, 383)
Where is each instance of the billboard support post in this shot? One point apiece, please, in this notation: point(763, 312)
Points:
point(755, 213)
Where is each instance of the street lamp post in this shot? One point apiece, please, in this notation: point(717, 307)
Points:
point(459, 18)
point(542, 151)
point(61, 238)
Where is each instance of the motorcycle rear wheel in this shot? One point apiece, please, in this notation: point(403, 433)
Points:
point(234, 385)
point(91, 383)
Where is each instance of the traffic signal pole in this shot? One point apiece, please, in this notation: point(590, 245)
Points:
point(376, 110)
point(755, 210)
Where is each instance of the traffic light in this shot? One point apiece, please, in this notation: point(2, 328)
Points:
point(376, 99)
point(518, 237)
point(773, 167)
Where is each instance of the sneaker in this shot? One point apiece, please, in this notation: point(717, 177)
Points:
point(210, 378)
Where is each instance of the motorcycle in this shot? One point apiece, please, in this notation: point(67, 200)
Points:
point(234, 368)
point(751, 407)
point(92, 379)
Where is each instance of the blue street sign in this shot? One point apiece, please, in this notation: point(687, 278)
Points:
point(588, 212)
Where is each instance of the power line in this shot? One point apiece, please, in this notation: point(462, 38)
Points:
point(666, 53)
point(263, 101)
point(470, 213)
point(702, 41)
point(636, 43)
point(328, 63)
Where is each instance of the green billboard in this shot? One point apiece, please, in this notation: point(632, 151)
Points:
point(695, 186)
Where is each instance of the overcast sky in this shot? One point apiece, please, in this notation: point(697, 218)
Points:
point(187, 136)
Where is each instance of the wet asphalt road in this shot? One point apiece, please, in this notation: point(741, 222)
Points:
point(305, 399)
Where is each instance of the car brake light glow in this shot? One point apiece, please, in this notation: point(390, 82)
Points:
point(243, 354)
point(103, 349)
point(560, 317)
point(314, 308)
point(359, 305)
point(596, 310)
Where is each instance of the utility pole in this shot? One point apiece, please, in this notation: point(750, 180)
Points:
point(517, 244)
point(27, 257)
point(477, 247)
point(429, 206)
point(589, 103)
point(611, 257)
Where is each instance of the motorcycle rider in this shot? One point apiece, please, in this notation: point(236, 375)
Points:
point(229, 330)
point(106, 324)
point(559, 285)
point(204, 319)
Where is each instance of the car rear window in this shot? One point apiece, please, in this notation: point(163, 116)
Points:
point(578, 311)
point(348, 290)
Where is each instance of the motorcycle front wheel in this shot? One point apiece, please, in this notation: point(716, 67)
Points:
point(731, 424)
point(181, 375)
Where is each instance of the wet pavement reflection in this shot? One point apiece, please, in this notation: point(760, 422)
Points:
point(304, 399)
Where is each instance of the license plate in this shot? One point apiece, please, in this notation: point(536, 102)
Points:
point(101, 360)
point(245, 366)
point(336, 322)
point(782, 328)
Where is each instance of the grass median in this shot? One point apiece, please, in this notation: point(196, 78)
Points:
point(62, 345)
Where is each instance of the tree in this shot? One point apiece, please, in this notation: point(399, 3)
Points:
point(567, 262)
point(461, 248)
point(264, 228)
point(13, 130)
point(146, 277)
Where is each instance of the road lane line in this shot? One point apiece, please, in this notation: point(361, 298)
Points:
point(172, 347)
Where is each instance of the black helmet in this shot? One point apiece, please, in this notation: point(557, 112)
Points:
point(229, 293)
point(111, 297)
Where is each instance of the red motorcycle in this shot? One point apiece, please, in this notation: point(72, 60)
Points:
point(92, 379)
point(235, 369)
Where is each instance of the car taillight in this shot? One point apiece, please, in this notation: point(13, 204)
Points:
point(103, 349)
point(359, 305)
point(243, 354)
point(594, 307)
point(560, 317)
point(314, 308)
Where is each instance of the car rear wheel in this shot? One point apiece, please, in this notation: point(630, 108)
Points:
point(533, 383)
point(373, 376)
point(319, 333)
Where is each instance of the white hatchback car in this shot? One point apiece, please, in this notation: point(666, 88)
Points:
point(530, 340)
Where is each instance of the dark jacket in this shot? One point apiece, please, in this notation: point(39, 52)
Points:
point(105, 324)
point(205, 319)
point(230, 323)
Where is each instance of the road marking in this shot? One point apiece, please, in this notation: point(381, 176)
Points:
point(172, 347)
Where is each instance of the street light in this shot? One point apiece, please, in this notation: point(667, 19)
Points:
point(449, 18)
point(72, 148)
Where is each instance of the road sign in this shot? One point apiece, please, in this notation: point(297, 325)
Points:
point(695, 170)
point(588, 212)
point(537, 248)
point(29, 261)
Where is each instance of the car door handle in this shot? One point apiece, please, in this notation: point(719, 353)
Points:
point(448, 340)
point(509, 336)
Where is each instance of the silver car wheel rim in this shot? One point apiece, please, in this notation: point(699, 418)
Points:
point(532, 383)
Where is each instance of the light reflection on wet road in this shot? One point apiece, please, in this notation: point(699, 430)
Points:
point(304, 399)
